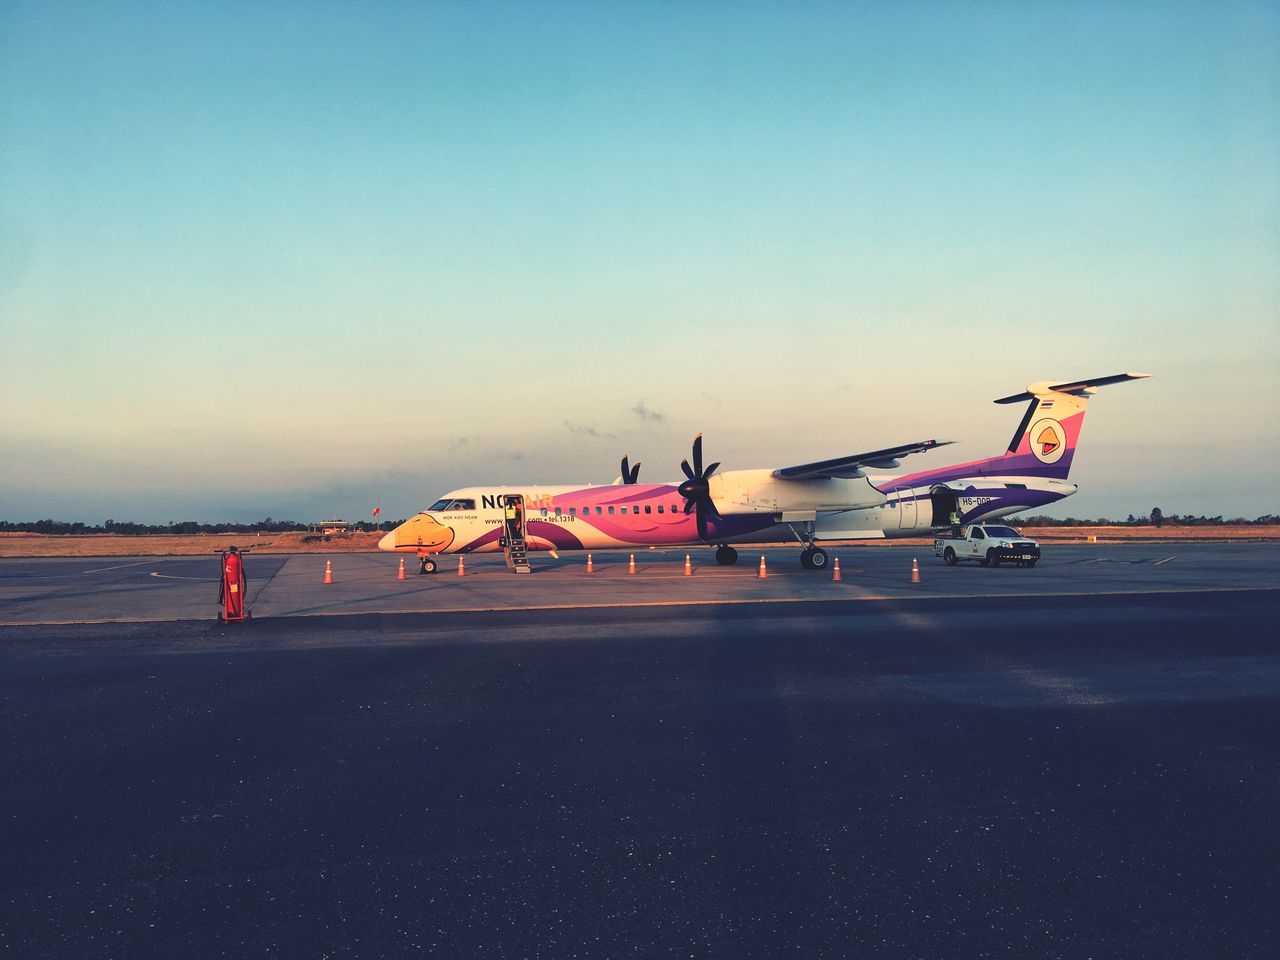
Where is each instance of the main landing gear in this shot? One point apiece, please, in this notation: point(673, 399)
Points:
point(427, 565)
point(812, 557)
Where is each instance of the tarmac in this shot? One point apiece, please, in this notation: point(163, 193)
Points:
point(1074, 760)
point(178, 588)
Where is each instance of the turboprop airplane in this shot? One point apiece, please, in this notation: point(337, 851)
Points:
point(809, 502)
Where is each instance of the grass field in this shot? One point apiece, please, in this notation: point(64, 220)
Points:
point(167, 545)
point(109, 545)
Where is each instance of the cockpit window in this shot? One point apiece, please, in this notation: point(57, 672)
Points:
point(448, 503)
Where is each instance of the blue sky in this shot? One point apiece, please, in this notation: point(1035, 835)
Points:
point(284, 259)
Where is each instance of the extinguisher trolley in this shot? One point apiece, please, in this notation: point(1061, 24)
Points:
point(231, 588)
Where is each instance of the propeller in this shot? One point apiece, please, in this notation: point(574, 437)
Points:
point(696, 490)
point(630, 474)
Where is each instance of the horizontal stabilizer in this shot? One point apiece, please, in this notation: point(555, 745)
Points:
point(851, 466)
point(1076, 387)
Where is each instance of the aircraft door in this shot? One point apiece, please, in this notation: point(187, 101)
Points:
point(944, 504)
point(513, 517)
point(906, 508)
point(513, 533)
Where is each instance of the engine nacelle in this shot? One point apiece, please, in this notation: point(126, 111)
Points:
point(758, 491)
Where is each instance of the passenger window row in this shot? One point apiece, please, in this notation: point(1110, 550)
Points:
point(600, 511)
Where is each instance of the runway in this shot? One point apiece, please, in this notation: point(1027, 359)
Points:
point(179, 588)
point(1085, 768)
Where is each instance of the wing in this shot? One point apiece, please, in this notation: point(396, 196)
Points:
point(851, 466)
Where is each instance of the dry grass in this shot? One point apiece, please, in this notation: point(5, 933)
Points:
point(109, 545)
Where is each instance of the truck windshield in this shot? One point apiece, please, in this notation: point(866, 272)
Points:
point(1002, 532)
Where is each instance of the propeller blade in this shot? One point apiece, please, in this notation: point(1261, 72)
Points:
point(711, 508)
point(635, 474)
point(697, 454)
point(626, 470)
point(702, 521)
point(689, 505)
point(710, 470)
point(684, 465)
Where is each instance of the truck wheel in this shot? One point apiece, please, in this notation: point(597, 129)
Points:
point(949, 556)
point(992, 559)
point(985, 561)
point(1031, 563)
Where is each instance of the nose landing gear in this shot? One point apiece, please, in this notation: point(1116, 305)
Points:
point(813, 558)
point(426, 565)
point(726, 556)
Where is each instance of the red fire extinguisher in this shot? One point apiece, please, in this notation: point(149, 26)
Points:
point(231, 588)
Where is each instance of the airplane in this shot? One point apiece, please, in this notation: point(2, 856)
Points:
point(810, 502)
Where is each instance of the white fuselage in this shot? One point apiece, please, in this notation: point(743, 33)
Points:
point(755, 507)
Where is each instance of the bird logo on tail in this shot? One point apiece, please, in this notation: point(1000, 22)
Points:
point(1048, 440)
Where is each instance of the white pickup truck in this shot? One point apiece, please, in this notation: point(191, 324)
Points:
point(990, 544)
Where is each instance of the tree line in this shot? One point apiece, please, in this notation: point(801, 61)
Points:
point(1156, 518)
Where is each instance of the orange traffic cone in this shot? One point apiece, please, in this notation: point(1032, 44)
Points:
point(589, 567)
point(400, 575)
point(462, 572)
point(631, 567)
point(915, 570)
point(688, 567)
point(328, 571)
point(764, 573)
point(835, 572)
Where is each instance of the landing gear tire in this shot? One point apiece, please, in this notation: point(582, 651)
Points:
point(726, 556)
point(814, 558)
point(428, 566)
point(949, 556)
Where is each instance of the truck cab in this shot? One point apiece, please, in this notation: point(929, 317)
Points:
point(990, 544)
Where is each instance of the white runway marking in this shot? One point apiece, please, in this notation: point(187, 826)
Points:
point(119, 566)
point(166, 576)
point(1165, 560)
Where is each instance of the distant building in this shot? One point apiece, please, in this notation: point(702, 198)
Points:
point(329, 528)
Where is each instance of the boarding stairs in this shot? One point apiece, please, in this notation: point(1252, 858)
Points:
point(517, 555)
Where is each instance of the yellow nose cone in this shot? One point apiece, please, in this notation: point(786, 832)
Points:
point(422, 533)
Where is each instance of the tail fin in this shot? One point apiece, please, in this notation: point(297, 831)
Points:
point(1046, 439)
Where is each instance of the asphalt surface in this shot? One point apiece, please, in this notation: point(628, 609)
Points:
point(175, 588)
point(1039, 776)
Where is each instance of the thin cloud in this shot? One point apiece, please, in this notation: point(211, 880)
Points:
point(586, 430)
point(641, 410)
